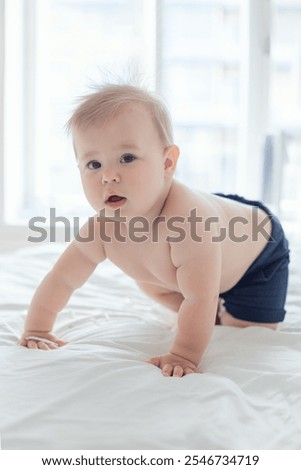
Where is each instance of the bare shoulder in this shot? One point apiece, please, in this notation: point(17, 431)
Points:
point(192, 216)
point(88, 241)
point(184, 201)
point(213, 209)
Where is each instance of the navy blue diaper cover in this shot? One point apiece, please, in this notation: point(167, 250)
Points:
point(260, 294)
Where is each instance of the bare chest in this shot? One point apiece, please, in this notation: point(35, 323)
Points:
point(145, 261)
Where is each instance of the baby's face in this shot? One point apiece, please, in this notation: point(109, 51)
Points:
point(122, 162)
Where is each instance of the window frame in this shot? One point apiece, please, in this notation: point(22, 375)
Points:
point(255, 63)
point(2, 48)
point(255, 66)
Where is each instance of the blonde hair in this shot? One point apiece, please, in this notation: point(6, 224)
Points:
point(107, 100)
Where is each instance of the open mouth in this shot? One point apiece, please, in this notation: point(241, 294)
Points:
point(115, 200)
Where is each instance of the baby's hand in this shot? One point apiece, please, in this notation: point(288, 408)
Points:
point(40, 340)
point(173, 365)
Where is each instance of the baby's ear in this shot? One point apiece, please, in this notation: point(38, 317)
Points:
point(171, 155)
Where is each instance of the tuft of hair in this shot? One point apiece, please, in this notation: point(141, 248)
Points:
point(108, 99)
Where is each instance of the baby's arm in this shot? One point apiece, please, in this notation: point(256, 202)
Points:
point(199, 280)
point(70, 272)
point(165, 297)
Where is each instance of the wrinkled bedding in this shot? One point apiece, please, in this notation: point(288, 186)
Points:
point(98, 393)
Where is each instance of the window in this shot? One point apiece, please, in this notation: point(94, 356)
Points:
point(285, 103)
point(200, 70)
point(58, 50)
point(208, 58)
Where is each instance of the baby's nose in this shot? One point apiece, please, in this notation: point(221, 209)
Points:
point(110, 176)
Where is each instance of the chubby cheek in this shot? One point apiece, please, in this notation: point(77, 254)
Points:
point(93, 194)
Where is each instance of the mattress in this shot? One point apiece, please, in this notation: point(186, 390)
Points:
point(99, 393)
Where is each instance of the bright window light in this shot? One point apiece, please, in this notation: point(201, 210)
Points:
point(194, 53)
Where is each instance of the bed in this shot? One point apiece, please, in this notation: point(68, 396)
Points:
point(98, 393)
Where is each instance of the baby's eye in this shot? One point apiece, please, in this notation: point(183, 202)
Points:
point(94, 165)
point(127, 158)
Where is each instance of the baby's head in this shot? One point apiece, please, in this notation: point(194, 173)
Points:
point(123, 141)
point(109, 99)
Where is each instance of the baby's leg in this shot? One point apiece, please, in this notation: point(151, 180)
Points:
point(219, 311)
point(226, 319)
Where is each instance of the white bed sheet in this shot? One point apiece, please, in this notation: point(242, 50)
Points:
point(98, 393)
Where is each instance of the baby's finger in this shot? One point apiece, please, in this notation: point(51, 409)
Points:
point(188, 370)
point(43, 346)
point(32, 344)
point(60, 343)
point(178, 371)
point(167, 370)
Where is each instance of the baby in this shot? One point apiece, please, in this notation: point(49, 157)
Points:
point(198, 254)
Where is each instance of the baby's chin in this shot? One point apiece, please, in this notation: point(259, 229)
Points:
point(122, 213)
point(111, 213)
